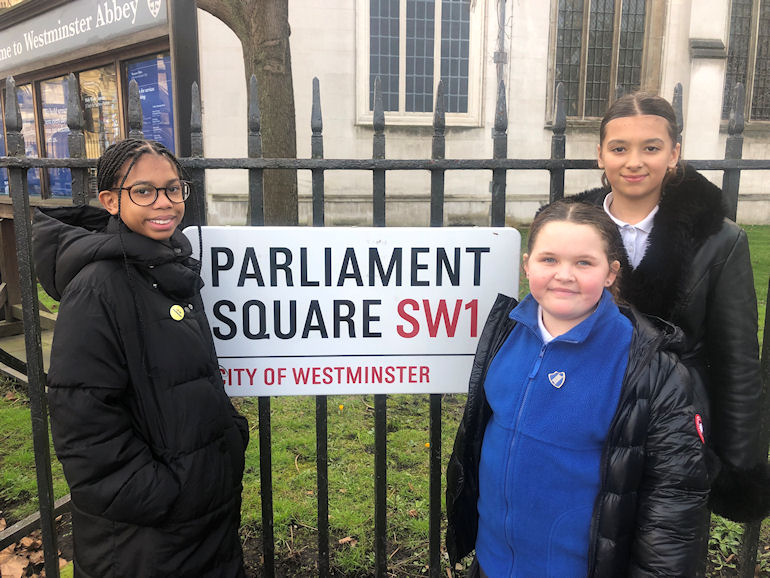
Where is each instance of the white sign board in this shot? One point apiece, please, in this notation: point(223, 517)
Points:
point(321, 311)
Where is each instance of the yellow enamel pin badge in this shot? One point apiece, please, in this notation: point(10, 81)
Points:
point(177, 312)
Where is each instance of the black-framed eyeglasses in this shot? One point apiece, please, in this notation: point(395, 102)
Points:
point(145, 194)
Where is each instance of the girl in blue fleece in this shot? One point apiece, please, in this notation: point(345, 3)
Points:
point(580, 452)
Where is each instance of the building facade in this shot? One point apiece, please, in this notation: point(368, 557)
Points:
point(593, 47)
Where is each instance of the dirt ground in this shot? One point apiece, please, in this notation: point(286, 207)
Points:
point(25, 558)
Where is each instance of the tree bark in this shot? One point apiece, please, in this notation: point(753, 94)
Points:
point(262, 26)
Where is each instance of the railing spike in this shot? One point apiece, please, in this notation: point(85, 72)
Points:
point(501, 109)
point(74, 111)
point(76, 141)
point(254, 120)
point(558, 144)
point(12, 111)
point(254, 115)
point(499, 151)
point(196, 122)
point(195, 112)
point(676, 102)
point(378, 121)
point(14, 141)
point(439, 114)
point(255, 213)
point(439, 125)
point(316, 121)
point(737, 117)
point(135, 117)
point(560, 116)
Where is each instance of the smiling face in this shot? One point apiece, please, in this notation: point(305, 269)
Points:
point(567, 270)
point(635, 153)
point(157, 221)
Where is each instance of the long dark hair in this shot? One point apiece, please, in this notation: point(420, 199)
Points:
point(581, 213)
point(638, 104)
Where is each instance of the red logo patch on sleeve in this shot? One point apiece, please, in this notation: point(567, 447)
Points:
point(699, 427)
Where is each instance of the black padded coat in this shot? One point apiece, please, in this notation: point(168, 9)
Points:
point(696, 274)
point(152, 448)
point(654, 479)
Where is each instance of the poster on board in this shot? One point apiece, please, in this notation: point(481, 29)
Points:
point(323, 311)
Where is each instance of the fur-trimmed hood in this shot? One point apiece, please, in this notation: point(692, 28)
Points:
point(690, 210)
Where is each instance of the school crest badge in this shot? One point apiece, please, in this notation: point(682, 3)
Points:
point(154, 6)
point(557, 379)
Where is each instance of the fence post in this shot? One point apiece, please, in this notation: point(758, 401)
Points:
point(676, 102)
point(255, 213)
point(317, 152)
point(438, 150)
point(436, 220)
point(378, 152)
point(321, 407)
point(183, 36)
point(135, 117)
point(380, 400)
point(499, 151)
point(17, 180)
point(750, 541)
point(76, 141)
point(731, 178)
point(558, 145)
point(197, 200)
point(256, 216)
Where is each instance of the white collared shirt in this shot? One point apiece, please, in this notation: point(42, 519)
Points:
point(547, 337)
point(635, 237)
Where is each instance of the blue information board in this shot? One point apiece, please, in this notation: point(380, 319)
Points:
point(56, 133)
point(153, 75)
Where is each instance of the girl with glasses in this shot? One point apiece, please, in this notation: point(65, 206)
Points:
point(152, 448)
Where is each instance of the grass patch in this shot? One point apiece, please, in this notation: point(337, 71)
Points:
point(46, 301)
point(351, 476)
point(18, 481)
point(759, 245)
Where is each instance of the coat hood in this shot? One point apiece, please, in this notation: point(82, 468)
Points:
point(67, 239)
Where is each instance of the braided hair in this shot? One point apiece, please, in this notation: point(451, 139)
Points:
point(130, 149)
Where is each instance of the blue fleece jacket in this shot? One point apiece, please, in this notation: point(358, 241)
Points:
point(539, 472)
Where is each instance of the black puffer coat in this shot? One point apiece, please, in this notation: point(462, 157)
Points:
point(696, 274)
point(151, 446)
point(654, 480)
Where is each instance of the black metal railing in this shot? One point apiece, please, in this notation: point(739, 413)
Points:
point(17, 165)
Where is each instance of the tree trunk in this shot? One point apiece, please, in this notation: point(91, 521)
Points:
point(262, 26)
